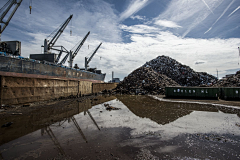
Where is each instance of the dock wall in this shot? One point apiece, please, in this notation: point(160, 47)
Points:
point(98, 87)
point(20, 90)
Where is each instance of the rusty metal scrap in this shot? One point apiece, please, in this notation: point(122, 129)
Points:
point(182, 74)
point(231, 81)
point(145, 80)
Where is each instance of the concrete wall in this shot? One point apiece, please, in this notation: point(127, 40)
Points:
point(85, 87)
point(98, 87)
point(18, 90)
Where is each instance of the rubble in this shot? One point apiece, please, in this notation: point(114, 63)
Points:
point(144, 80)
point(229, 81)
point(7, 124)
point(182, 74)
point(109, 108)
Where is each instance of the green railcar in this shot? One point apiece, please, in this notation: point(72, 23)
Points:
point(192, 92)
point(230, 93)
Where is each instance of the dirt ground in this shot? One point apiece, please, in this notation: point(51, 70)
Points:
point(141, 128)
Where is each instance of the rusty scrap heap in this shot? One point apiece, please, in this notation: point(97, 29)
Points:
point(230, 81)
point(182, 74)
point(144, 80)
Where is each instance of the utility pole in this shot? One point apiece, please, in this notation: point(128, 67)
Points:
point(217, 73)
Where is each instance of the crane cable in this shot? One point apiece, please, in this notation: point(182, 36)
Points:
point(5, 6)
point(238, 55)
point(71, 28)
point(30, 6)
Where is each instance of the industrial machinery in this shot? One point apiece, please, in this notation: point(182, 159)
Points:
point(53, 37)
point(49, 43)
point(87, 61)
point(9, 47)
point(72, 53)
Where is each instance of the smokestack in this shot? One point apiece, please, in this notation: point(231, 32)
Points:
point(112, 75)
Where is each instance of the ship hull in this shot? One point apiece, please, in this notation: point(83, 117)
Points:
point(34, 69)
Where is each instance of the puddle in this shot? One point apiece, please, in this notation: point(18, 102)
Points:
point(140, 128)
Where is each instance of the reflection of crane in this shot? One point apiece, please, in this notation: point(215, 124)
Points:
point(79, 129)
point(54, 139)
point(5, 9)
point(88, 60)
point(48, 44)
point(72, 53)
point(93, 119)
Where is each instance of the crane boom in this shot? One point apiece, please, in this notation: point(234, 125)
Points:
point(73, 54)
point(65, 58)
point(80, 45)
point(9, 4)
point(48, 46)
point(88, 60)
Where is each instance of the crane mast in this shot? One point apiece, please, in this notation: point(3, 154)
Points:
point(48, 44)
point(8, 6)
point(88, 60)
point(73, 54)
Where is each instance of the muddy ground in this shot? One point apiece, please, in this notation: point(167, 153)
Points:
point(121, 127)
point(12, 110)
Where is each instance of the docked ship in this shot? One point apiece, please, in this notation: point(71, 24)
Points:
point(48, 64)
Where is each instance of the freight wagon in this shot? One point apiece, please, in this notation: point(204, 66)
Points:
point(203, 92)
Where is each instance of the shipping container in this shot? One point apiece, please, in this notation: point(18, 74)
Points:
point(192, 92)
point(230, 93)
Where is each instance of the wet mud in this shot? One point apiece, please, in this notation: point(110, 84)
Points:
point(135, 127)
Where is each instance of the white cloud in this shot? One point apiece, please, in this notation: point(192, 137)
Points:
point(147, 42)
point(138, 17)
point(207, 6)
point(220, 17)
point(123, 58)
point(234, 11)
point(134, 7)
point(166, 23)
point(218, 53)
point(139, 29)
point(188, 14)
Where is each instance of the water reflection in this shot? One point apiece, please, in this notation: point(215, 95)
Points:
point(142, 126)
point(161, 112)
point(36, 119)
point(53, 138)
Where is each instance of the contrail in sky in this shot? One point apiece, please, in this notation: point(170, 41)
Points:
point(207, 6)
point(220, 16)
point(234, 11)
point(134, 7)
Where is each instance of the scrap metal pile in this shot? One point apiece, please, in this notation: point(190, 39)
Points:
point(182, 74)
point(144, 80)
point(231, 81)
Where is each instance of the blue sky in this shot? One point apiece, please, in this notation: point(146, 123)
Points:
point(203, 34)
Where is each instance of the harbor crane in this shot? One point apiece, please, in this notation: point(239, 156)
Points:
point(72, 53)
point(87, 61)
point(49, 44)
point(5, 9)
